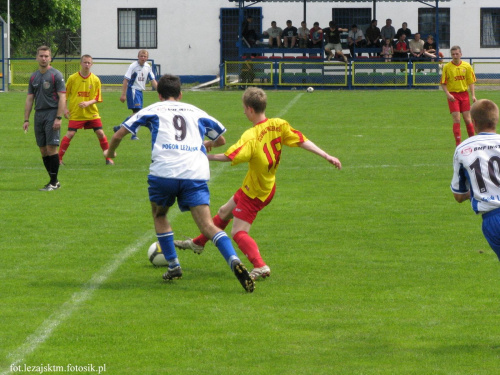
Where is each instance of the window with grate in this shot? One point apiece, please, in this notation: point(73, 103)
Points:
point(427, 24)
point(346, 17)
point(229, 29)
point(137, 28)
point(490, 27)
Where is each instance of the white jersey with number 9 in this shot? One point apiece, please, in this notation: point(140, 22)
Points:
point(177, 134)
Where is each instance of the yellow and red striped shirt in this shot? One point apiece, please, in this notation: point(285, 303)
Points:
point(261, 147)
point(82, 89)
point(457, 78)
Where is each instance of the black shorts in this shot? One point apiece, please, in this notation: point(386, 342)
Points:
point(45, 135)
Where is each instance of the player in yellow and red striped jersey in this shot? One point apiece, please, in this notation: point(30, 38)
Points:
point(259, 146)
point(458, 76)
point(83, 90)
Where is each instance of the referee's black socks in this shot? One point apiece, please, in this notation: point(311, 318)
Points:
point(51, 163)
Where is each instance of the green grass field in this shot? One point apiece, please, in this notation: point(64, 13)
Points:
point(375, 268)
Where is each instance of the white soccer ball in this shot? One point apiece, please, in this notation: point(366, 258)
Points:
point(310, 89)
point(155, 255)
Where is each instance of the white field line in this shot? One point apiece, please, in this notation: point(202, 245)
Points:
point(45, 330)
point(70, 306)
point(290, 105)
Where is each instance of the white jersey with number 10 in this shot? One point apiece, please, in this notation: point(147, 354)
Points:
point(476, 165)
point(177, 134)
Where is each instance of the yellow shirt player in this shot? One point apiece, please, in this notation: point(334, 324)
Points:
point(261, 147)
point(458, 76)
point(83, 90)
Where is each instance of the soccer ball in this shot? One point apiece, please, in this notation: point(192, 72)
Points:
point(310, 89)
point(155, 255)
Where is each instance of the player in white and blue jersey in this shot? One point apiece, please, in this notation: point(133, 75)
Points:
point(179, 170)
point(476, 165)
point(134, 83)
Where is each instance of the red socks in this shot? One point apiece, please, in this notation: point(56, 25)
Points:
point(63, 147)
point(246, 244)
point(470, 129)
point(456, 132)
point(104, 143)
point(66, 141)
point(201, 240)
point(249, 247)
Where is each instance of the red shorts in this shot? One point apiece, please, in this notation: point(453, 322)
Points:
point(247, 208)
point(461, 103)
point(95, 124)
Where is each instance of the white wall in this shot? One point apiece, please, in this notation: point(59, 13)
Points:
point(188, 33)
point(189, 30)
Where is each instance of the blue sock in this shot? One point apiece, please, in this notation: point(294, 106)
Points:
point(225, 246)
point(166, 241)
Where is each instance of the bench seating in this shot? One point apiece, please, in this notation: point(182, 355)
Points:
point(283, 52)
point(368, 50)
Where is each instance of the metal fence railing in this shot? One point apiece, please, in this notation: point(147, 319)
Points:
point(110, 71)
point(487, 72)
point(287, 73)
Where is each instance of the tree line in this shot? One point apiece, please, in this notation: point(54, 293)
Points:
point(55, 23)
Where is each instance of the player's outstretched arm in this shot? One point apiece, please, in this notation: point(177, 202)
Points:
point(115, 142)
point(209, 145)
point(218, 157)
point(310, 146)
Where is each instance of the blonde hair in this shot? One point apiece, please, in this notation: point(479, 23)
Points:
point(256, 99)
point(484, 114)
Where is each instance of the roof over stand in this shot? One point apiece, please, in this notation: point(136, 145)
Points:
point(242, 6)
point(428, 3)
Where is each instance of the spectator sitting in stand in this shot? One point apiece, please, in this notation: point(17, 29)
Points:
point(417, 48)
point(316, 36)
point(289, 35)
point(387, 50)
point(303, 34)
point(372, 35)
point(404, 30)
point(274, 35)
point(401, 49)
point(430, 48)
point(248, 33)
point(355, 38)
point(388, 31)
